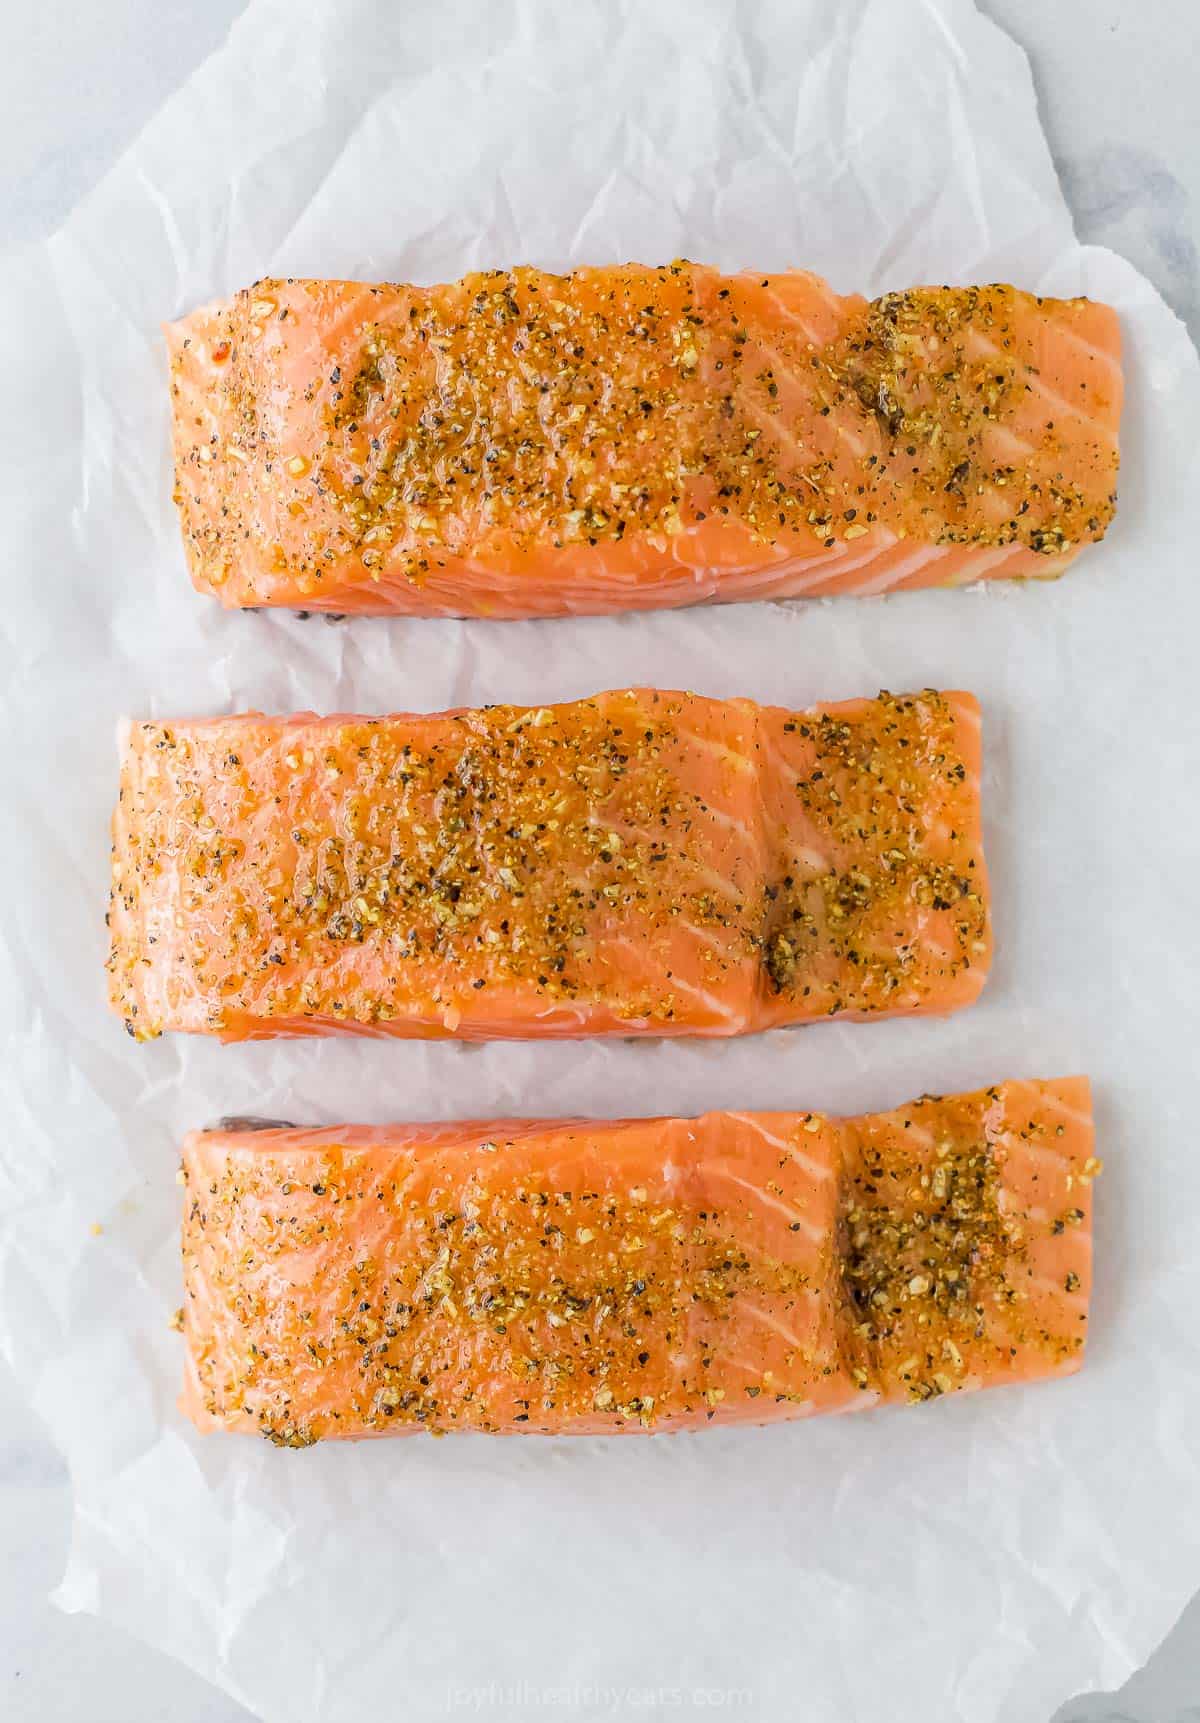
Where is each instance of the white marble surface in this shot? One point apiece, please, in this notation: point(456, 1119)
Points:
point(1116, 81)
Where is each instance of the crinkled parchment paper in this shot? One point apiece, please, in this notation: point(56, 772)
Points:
point(978, 1560)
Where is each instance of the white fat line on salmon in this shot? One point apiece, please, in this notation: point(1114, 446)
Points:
point(700, 878)
point(884, 580)
point(812, 865)
point(805, 571)
point(747, 1306)
point(978, 562)
point(1003, 444)
point(721, 750)
point(835, 302)
point(776, 427)
point(785, 440)
point(1062, 333)
point(1052, 1098)
point(1035, 384)
point(796, 1220)
point(699, 875)
point(817, 340)
point(788, 566)
point(726, 1013)
point(938, 831)
point(1062, 1160)
point(1017, 1096)
point(779, 579)
point(877, 575)
point(798, 1408)
point(927, 942)
point(1031, 1286)
point(1054, 1287)
point(716, 941)
point(906, 1122)
point(815, 1169)
point(1035, 1214)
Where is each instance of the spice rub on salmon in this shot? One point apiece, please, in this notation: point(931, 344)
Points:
point(524, 444)
point(640, 862)
point(651, 1275)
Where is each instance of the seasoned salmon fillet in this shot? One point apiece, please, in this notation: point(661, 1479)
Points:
point(576, 1277)
point(636, 863)
point(523, 444)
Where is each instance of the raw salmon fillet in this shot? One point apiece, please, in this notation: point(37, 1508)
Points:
point(636, 863)
point(575, 1277)
point(522, 444)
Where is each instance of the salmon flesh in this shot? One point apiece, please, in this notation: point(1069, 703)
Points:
point(638, 863)
point(575, 1277)
point(521, 444)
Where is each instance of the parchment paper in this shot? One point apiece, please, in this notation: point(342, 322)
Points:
point(973, 1560)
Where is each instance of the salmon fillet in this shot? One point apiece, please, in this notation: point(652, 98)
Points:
point(576, 1277)
point(636, 863)
point(522, 444)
